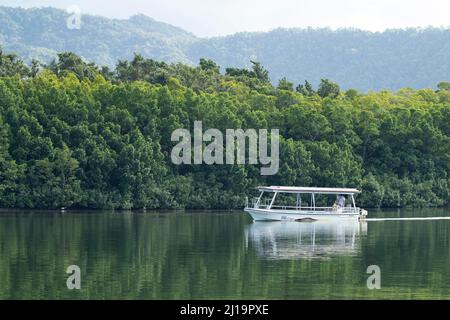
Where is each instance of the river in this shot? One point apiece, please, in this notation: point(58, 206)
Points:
point(214, 255)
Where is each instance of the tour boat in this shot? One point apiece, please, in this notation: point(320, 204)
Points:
point(277, 207)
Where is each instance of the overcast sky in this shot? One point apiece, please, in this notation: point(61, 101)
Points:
point(222, 17)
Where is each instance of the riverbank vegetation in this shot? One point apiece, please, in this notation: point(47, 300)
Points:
point(73, 134)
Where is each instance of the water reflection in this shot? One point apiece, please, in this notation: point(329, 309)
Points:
point(302, 240)
point(219, 255)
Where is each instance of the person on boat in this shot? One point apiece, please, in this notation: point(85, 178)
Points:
point(340, 201)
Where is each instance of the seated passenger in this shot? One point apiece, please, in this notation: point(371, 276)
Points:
point(340, 201)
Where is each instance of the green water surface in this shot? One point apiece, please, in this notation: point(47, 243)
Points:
point(213, 255)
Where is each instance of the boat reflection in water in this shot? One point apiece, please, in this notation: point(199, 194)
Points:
point(306, 240)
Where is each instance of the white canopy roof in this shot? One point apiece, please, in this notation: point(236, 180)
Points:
point(309, 190)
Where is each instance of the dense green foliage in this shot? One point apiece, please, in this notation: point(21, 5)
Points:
point(353, 58)
point(77, 135)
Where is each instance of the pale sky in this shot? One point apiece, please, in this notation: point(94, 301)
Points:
point(208, 18)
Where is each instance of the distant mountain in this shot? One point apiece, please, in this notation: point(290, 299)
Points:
point(41, 33)
point(353, 58)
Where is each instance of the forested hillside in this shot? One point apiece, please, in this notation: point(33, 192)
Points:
point(355, 59)
point(42, 33)
point(76, 135)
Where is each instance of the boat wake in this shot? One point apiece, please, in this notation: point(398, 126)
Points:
point(415, 218)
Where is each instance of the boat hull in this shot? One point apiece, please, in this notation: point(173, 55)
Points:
point(279, 215)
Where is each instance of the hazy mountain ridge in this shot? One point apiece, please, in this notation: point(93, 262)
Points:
point(99, 39)
point(353, 58)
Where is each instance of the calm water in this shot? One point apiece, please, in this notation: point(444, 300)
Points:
point(195, 255)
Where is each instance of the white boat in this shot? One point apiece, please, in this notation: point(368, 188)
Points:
point(276, 209)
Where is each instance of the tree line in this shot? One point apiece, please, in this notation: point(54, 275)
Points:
point(74, 134)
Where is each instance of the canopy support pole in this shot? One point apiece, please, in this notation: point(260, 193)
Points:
point(273, 199)
point(259, 199)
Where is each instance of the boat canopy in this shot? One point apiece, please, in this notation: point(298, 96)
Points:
point(309, 190)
